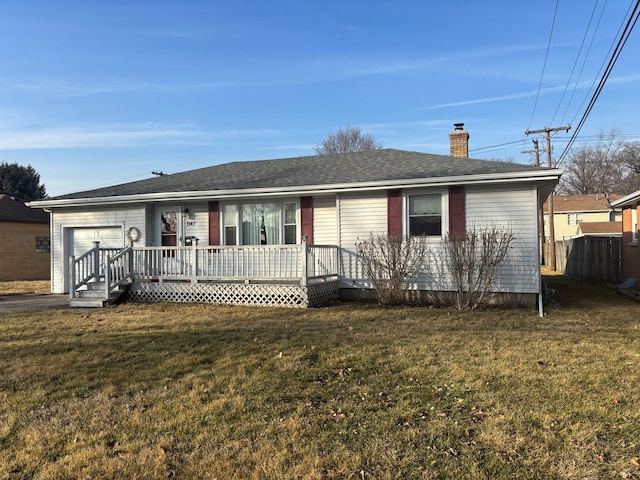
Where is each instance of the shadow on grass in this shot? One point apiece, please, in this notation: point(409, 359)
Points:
point(571, 293)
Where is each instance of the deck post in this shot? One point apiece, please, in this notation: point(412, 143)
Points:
point(194, 265)
point(96, 260)
point(130, 258)
point(305, 260)
point(72, 276)
point(107, 277)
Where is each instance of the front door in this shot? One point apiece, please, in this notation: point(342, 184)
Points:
point(169, 228)
point(169, 234)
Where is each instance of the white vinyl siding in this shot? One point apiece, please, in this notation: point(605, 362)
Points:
point(63, 222)
point(514, 208)
point(325, 221)
point(359, 216)
point(196, 223)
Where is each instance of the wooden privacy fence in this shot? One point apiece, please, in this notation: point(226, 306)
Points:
point(590, 259)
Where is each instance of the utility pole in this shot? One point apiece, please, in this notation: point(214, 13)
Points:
point(552, 241)
point(536, 150)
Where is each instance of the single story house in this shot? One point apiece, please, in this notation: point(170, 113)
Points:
point(284, 231)
point(630, 204)
point(24, 241)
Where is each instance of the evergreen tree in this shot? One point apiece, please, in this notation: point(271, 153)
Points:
point(21, 182)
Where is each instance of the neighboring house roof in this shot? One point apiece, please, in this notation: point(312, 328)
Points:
point(386, 168)
point(601, 229)
point(596, 202)
point(627, 201)
point(13, 210)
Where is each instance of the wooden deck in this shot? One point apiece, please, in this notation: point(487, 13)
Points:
point(283, 275)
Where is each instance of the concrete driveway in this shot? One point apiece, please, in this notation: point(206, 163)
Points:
point(17, 303)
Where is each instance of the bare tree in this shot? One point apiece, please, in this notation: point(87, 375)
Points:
point(629, 157)
point(347, 140)
point(392, 264)
point(596, 168)
point(473, 259)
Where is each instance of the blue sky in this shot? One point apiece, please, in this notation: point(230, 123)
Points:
point(98, 93)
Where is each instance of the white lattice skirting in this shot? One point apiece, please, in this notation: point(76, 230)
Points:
point(274, 295)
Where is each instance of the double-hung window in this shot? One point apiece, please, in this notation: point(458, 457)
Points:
point(256, 223)
point(230, 219)
point(574, 218)
point(425, 214)
point(290, 222)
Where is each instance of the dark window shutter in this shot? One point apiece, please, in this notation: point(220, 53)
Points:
point(214, 223)
point(306, 218)
point(456, 210)
point(394, 213)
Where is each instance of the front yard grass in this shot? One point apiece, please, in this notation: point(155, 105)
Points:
point(349, 391)
point(39, 287)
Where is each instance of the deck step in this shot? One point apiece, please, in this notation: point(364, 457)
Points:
point(93, 296)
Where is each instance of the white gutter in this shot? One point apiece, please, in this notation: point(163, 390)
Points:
point(493, 178)
point(631, 198)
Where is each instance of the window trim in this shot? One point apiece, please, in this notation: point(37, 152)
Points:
point(577, 218)
point(444, 210)
point(238, 219)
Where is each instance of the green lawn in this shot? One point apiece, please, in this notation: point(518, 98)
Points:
point(349, 391)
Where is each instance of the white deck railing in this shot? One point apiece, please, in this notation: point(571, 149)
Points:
point(112, 265)
point(284, 263)
point(293, 263)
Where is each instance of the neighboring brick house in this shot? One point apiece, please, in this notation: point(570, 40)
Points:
point(24, 241)
point(569, 211)
point(630, 205)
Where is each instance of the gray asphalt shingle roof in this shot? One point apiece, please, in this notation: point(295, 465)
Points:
point(13, 210)
point(370, 166)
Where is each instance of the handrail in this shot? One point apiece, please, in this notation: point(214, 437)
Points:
point(83, 269)
point(114, 264)
point(118, 268)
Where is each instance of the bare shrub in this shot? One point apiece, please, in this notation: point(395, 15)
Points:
point(472, 259)
point(392, 263)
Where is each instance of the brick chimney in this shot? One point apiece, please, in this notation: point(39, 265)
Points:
point(459, 140)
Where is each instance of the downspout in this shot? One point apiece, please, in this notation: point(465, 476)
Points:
point(538, 256)
point(540, 302)
point(50, 212)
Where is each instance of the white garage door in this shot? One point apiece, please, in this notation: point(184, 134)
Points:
point(82, 239)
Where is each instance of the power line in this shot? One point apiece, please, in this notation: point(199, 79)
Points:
point(544, 65)
point(633, 18)
point(496, 147)
point(584, 63)
point(557, 139)
point(604, 61)
point(575, 63)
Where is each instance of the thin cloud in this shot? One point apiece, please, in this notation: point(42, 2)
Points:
point(314, 72)
point(115, 136)
point(532, 93)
